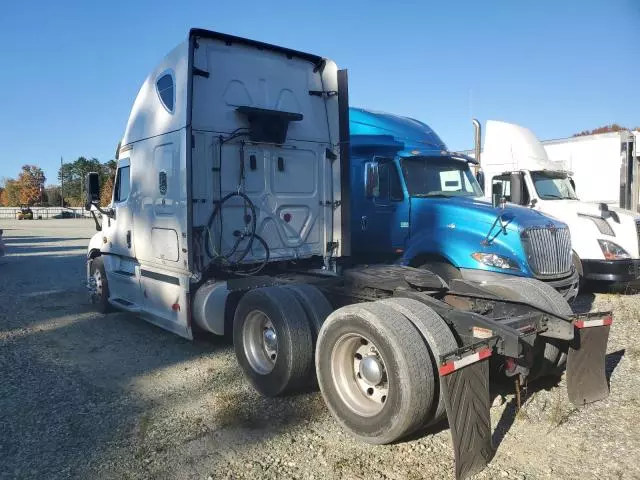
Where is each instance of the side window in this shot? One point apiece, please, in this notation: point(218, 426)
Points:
point(390, 187)
point(383, 175)
point(506, 186)
point(123, 184)
point(165, 87)
point(505, 181)
point(395, 187)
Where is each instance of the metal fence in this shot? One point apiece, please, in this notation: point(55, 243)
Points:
point(46, 212)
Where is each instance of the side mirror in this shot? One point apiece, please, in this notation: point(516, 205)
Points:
point(573, 184)
point(517, 188)
point(480, 179)
point(496, 195)
point(371, 180)
point(92, 189)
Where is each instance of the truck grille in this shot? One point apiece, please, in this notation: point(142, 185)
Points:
point(548, 250)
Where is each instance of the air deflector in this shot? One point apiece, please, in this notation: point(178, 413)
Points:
point(266, 125)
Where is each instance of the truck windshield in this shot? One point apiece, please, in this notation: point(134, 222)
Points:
point(439, 177)
point(553, 186)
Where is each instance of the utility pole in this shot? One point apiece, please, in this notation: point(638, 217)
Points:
point(61, 184)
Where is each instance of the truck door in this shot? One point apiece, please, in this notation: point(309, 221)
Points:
point(120, 262)
point(384, 223)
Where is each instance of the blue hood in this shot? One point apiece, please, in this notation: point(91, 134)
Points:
point(476, 210)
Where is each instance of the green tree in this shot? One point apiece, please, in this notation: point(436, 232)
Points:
point(72, 175)
point(52, 195)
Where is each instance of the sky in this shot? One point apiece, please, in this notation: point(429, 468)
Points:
point(70, 70)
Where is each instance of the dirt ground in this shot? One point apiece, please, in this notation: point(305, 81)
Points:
point(84, 395)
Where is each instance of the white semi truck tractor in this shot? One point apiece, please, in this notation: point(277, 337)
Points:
point(604, 238)
point(230, 214)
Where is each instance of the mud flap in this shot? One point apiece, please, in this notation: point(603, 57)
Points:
point(586, 377)
point(466, 394)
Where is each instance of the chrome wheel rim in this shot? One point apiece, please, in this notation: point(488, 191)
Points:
point(359, 374)
point(260, 342)
point(97, 279)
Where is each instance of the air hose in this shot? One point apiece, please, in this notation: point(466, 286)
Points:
point(225, 260)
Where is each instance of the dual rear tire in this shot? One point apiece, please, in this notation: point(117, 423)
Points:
point(274, 336)
point(376, 362)
point(375, 372)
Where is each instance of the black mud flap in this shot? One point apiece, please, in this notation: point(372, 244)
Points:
point(586, 377)
point(466, 395)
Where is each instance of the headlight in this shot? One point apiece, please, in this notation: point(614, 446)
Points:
point(612, 251)
point(493, 260)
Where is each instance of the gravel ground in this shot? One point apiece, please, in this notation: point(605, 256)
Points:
point(89, 396)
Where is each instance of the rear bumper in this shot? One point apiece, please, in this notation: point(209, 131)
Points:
point(615, 271)
point(567, 287)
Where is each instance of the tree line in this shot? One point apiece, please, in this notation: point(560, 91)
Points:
point(614, 127)
point(28, 188)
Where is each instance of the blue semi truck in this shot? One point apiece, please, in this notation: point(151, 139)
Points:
point(420, 204)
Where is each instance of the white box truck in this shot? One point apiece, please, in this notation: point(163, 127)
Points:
point(230, 215)
point(604, 238)
point(615, 156)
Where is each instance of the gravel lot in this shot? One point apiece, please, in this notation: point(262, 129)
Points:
point(89, 396)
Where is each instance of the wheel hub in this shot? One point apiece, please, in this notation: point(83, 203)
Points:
point(360, 374)
point(260, 342)
point(270, 339)
point(98, 282)
point(371, 370)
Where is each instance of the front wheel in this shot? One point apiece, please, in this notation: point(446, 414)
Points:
point(374, 372)
point(100, 286)
point(444, 270)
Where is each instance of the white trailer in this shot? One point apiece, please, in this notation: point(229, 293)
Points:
point(604, 166)
point(604, 239)
point(230, 215)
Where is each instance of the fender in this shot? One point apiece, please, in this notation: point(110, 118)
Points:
point(95, 245)
point(457, 244)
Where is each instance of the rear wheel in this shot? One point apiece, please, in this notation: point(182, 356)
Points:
point(315, 305)
point(273, 341)
point(374, 372)
point(317, 308)
point(439, 338)
point(549, 358)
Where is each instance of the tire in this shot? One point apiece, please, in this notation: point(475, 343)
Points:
point(540, 295)
point(381, 412)
point(317, 309)
point(444, 270)
point(315, 305)
point(439, 338)
point(290, 367)
point(101, 296)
